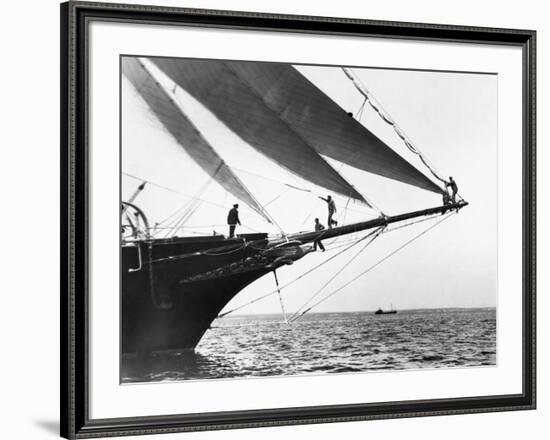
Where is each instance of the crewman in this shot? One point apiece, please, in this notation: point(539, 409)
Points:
point(318, 227)
point(446, 198)
point(233, 219)
point(454, 188)
point(331, 211)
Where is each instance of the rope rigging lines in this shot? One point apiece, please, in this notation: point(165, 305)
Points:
point(280, 296)
point(301, 311)
point(361, 274)
point(182, 194)
point(159, 79)
point(177, 220)
point(377, 107)
point(272, 292)
point(189, 210)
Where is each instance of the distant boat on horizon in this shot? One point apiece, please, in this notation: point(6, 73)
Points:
point(386, 312)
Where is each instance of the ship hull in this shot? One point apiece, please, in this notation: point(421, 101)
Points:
point(172, 290)
point(182, 318)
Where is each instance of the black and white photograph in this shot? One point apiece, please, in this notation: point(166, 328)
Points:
point(284, 219)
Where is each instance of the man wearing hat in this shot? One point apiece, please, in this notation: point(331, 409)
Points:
point(233, 219)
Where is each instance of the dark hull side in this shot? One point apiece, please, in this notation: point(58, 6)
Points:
point(180, 323)
point(170, 299)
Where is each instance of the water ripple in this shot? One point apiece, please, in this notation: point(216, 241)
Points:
point(262, 345)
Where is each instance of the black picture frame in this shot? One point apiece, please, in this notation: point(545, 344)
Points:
point(75, 420)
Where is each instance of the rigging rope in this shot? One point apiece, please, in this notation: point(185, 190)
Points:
point(377, 107)
point(413, 222)
point(298, 313)
point(192, 206)
point(186, 195)
point(338, 244)
point(280, 296)
point(172, 190)
point(374, 265)
point(369, 202)
point(221, 315)
point(361, 109)
point(345, 211)
point(193, 254)
point(170, 217)
point(266, 214)
point(276, 198)
point(177, 222)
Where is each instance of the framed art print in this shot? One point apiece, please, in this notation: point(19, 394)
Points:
point(318, 219)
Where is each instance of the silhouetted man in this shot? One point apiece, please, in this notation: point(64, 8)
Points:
point(318, 227)
point(233, 219)
point(454, 189)
point(331, 211)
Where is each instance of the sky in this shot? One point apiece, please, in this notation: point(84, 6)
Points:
point(450, 117)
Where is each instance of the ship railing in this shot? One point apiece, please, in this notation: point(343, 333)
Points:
point(140, 259)
point(135, 219)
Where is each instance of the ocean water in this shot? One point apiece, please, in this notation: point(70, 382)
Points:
point(327, 343)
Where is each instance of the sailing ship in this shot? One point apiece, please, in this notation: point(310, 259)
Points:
point(174, 287)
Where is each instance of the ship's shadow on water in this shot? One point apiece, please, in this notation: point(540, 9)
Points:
point(262, 345)
point(175, 366)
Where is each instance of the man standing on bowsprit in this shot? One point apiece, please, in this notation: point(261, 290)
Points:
point(454, 189)
point(233, 219)
point(317, 243)
point(331, 211)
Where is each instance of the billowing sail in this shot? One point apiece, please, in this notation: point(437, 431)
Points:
point(244, 111)
point(185, 133)
point(283, 91)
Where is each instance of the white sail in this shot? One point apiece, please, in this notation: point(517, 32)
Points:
point(185, 132)
point(277, 110)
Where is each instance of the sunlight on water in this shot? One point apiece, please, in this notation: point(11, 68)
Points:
point(263, 345)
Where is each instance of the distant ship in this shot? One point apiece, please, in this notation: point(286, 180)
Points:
point(385, 312)
point(174, 287)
